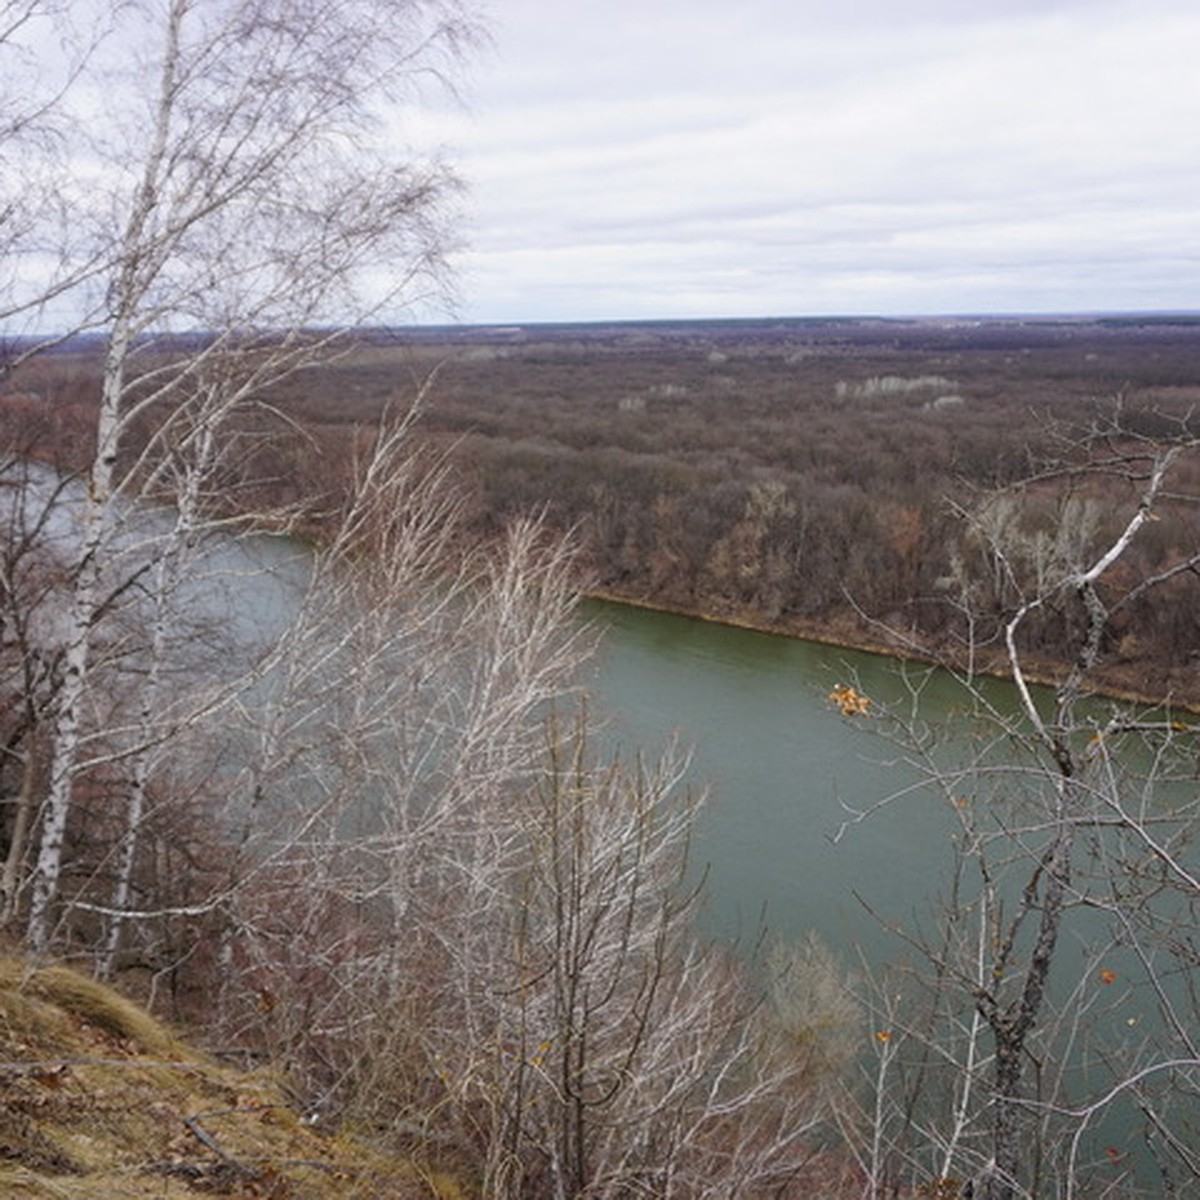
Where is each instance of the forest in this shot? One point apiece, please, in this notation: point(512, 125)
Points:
point(823, 478)
point(819, 478)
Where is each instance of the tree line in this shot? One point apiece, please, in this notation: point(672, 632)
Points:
point(819, 478)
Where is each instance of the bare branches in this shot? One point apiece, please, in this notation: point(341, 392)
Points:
point(236, 203)
point(1074, 815)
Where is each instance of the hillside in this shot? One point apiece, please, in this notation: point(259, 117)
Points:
point(99, 1100)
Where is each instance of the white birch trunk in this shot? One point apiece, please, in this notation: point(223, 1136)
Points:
point(98, 508)
point(167, 572)
point(67, 728)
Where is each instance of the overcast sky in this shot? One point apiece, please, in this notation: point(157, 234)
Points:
point(680, 158)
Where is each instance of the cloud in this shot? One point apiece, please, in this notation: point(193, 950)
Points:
point(699, 159)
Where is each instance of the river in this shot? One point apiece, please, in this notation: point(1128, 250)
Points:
point(786, 770)
point(778, 760)
point(785, 773)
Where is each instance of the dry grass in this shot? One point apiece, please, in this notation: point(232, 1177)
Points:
point(97, 1099)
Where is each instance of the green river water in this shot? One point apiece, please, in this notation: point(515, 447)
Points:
point(785, 771)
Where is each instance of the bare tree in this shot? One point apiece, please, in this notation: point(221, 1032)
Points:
point(31, 573)
point(398, 712)
point(636, 1059)
point(1059, 994)
point(237, 202)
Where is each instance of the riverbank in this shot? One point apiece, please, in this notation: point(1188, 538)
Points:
point(1123, 682)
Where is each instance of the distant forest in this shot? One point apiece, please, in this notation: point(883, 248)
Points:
point(841, 479)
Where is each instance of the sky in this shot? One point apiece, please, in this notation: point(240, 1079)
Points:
point(640, 159)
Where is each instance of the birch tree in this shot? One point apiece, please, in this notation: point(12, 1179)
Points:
point(238, 199)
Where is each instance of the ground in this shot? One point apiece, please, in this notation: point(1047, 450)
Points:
point(97, 1099)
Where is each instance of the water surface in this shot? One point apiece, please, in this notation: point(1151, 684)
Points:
point(785, 771)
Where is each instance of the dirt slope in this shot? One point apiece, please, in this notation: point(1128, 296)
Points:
point(97, 1099)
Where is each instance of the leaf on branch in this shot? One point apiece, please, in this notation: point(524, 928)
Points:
point(851, 702)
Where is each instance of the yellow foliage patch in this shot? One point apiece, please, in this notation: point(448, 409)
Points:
point(852, 703)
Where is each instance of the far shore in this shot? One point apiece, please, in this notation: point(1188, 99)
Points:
point(1105, 683)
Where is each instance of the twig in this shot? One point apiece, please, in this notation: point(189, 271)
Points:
point(209, 1142)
